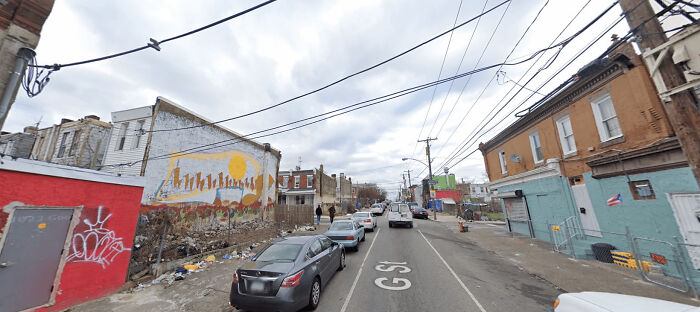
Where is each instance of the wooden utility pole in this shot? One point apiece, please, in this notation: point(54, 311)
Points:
point(682, 110)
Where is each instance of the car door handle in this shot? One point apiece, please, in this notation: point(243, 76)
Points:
point(4, 265)
point(318, 262)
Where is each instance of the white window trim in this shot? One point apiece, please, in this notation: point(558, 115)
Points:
point(602, 132)
point(297, 181)
point(286, 182)
point(562, 138)
point(502, 161)
point(309, 181)
point(532, 148)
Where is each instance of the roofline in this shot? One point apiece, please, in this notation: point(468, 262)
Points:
point(579, 89)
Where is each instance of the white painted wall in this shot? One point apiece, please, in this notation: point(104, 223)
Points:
point(130, 153)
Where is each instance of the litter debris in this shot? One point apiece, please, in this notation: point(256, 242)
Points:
point(181, 270)
point(211, 258)
point(226, 257)
point(191, 267)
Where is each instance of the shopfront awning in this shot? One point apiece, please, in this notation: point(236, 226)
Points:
point(448, 201)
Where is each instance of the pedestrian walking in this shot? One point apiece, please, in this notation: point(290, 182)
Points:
point(331, 213)
point(319, 212)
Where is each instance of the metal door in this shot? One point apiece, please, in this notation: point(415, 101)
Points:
point(686, 209)
point(30, 256)
point(584, 206)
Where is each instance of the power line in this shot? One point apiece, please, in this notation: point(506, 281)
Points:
point(331, 114)
point(444, 57)
point(155, 44)
point(341, 79)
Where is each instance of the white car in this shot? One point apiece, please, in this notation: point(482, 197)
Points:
point(365, 219)
point(377, 209)
point(400, 214)
point(589, 301)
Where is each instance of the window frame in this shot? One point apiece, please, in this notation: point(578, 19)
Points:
point(62, 146)
point(563, 137)
point(121, 138)
point(502, 161)
point(139, 132)
point(74, 142)
point(297, 181)
point(603, 130)
point(633, 188)
point(533, 148)
point(309, 181)
point(285, 179)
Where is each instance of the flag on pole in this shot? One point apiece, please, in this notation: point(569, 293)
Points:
point(615, 200)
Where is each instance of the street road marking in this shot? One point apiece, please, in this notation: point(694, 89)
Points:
point(454, 274)
point(489, 224)
point(352, 289)
point(396, 280)
point(383, 268)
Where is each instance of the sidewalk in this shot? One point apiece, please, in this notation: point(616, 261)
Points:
point(569, 274)
point(207, 290)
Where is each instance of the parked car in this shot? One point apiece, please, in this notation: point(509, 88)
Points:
point(349, 233)
point(288, 275)
point(413, 206)
point(420, 212)
point(589, 301)
point(400, 214)
point(365, 219)
point(377, 209)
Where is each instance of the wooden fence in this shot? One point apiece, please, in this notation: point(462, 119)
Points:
point(294, 214)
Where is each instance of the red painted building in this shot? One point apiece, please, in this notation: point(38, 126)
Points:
point(66, 233)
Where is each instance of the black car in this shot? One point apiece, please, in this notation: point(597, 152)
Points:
point(287, 275)
point(419, 212)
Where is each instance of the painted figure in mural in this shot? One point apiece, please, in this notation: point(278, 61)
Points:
point(319, 212)
point(331, 213)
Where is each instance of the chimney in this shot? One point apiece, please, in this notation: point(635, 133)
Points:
point(333, 176)
point(320, 168)
point(31, 129)
point(625, 49)
point(350, 179)
point(65, 120)
point(93, 117)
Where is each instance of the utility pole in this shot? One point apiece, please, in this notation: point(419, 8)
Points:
point(410, 194)
point(403, 194)
point(21, 62)
point(682, 110)
point(430, 172)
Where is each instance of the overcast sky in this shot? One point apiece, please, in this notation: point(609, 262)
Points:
point(294, 46)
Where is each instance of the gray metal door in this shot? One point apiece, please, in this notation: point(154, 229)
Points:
point(30, 256)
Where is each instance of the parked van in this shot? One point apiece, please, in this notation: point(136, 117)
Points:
point(400, 214)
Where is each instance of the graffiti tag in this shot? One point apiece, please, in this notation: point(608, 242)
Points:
point(97, 244)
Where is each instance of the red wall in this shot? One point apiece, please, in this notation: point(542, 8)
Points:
point(82, 279)
point(290, 184)
point(454, 194)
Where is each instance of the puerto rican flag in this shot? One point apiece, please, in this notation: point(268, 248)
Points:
point(615, 200)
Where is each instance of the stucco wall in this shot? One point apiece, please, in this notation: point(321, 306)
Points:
point(93, 268)
point(201, 183)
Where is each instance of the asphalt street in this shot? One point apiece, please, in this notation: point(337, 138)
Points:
point(431, 268)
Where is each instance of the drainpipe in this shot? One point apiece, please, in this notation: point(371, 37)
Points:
point(23, 57)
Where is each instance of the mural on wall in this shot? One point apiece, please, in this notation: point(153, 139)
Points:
point(219, 179)
point(97, 243)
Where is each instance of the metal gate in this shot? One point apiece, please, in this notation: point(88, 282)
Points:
point(31, 252)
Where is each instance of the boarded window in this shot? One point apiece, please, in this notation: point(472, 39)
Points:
point(515, 208)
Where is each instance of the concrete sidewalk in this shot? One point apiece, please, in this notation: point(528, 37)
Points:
point(569, 274)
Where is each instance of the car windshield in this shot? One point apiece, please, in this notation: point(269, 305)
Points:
point(361, 215)
point(394, 207)
point(340, 226)
point(280, 253)
point(403, 208)
point(376, 206)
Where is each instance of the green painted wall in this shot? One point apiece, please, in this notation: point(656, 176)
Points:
point(442, 182)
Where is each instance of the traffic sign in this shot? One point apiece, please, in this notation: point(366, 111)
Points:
point(432, 182)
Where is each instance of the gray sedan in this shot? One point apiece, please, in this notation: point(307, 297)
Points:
point(287, 275)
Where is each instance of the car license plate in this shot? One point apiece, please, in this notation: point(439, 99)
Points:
point(256, 286)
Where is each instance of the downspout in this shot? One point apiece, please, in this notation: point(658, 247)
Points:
point(23, 57)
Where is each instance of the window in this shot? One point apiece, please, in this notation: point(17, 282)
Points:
point(286, 181)
point(74, 143)
point(482, 190)
point(566, 135)
point(296, 182)
point(325, 243)
point(502, 160)
point(536, 147)
point(316, 247)
point(139, 132)
point(606, 118)
point(122, 136)
point(642, 190)
point(309, 181)
point(279, 253)
point(62, 147)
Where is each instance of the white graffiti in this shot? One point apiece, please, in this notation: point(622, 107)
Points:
point(96, 244)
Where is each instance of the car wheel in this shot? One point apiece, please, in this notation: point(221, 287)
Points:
point(363, 238)
point(357, 247)
point(391, 224)
point(342, 261)
point(315, 295)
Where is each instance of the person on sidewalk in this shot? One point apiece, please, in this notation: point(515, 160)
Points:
point(319, 212)
point(331, 213)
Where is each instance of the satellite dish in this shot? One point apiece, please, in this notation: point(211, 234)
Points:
point(515, 158)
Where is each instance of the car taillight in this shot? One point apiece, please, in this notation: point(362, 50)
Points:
point(556, 303)
point(292, 280)
point(350, 237)
point(235, 277)
point(368, 220)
